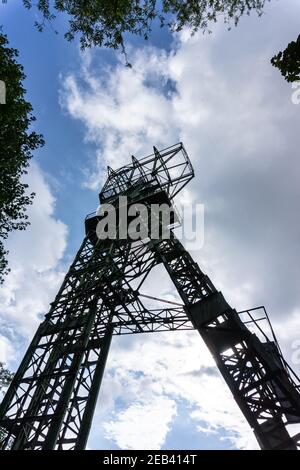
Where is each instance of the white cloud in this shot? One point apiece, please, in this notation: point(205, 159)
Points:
point(123, 110)
point(155, 372)
point(6, 349)
point(34, 257)
point(143, 425)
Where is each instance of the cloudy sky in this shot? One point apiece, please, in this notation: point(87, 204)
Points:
point(239, 121)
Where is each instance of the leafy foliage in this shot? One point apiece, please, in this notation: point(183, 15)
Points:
point(16, 145)
point(198, 14)
point(288, 61)
point(5, 379)
point(104, 22)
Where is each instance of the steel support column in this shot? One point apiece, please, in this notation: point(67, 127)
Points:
point(254, 371)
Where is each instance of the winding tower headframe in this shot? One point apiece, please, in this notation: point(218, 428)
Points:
point(51, 400)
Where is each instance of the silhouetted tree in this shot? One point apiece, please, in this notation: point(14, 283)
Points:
point(5, 379)
point(288, 61)
point(5, 376)
point(17, 143)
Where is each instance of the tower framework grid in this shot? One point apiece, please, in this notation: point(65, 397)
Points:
point(52, 398)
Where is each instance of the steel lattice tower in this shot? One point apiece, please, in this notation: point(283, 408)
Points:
point(51, 401)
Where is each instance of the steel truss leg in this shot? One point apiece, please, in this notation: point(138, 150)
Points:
point(53, 393)
point(51, 400)
point(253, 370)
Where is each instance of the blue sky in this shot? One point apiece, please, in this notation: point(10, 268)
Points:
point(218, 94)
